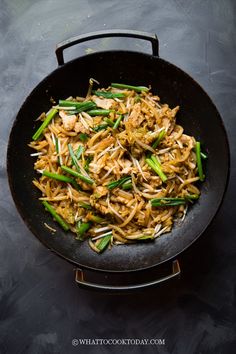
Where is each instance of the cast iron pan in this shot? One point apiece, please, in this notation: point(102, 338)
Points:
point(198, 115)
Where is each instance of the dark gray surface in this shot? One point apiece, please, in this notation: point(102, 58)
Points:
point(41, 308)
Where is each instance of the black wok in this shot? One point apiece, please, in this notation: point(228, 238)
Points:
point(198, 115)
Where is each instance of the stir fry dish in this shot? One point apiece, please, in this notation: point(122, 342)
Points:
point(114, 167)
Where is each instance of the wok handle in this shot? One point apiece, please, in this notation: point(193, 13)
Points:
point(106, 33)
point(79, 278)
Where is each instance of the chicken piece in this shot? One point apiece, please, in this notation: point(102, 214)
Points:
point(102, 209)
point(54, 158)
point(68, 121)
point(135, 118)
point(118, 199)
point(101, 191)
point(104, 103)
point(80, 128)
point(126, 165)
point(103, 144)
point(98, 165)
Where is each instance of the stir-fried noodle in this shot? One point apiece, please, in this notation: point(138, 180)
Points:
point(115, 167)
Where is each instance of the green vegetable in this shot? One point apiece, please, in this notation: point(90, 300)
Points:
point(100, 127)
point(118, 183)
point(58, 177)
point(199, 161)
point(57, 217)
point(191, 197)
point(81, 228)
point(109, 94)
point(62, 178)
point(72, 112)
point(83, 137)
point(130, 87)
point(159, 139)
point(87, 162)
point(168, 201)
point(117, 122)
point(156, 166)
point(45, 123)
point(103, 242)
point(97, 219)
point(57, 150)
point(99, 112)
point(79, 152)
point(73, 157)
point(109, 122)
point(77, 174)
point(127, 185)
point(79, 106)
point(85, 206)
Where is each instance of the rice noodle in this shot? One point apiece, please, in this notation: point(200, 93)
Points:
point(110, 155)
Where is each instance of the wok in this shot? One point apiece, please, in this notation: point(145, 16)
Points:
point(199, 117)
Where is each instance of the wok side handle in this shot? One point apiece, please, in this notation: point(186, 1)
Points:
point(80, 280)
point(106, 33)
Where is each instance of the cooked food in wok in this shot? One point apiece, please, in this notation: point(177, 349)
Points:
point(115, 167)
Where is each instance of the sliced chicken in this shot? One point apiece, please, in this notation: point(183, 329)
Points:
point(80, 128)
point(68, 121)
point(104, 103)
point(136, 117)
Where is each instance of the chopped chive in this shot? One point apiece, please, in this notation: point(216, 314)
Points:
point(109, 122)
point(58, 150)
point(100, 127)
point(103, 242)
point(191, 197)
point(79, 152)
point(56, 216)
point(76, 186)
point(80, 106)
point(199, 161)
point(58, 177)
point(156, 166)
point(96, 218)
point(130, 87)
point(159, 139)
point(173, 201)
point(127, 185)
point(87, 162)
point(72, 112)
point(81, 229)
point(85, 206)
point(117, 122)
point(56, 145)
point(99, 112)
point(167, 202)
point(119, 182)
point(77, 174)
point(109, 94)
point(73, 157)
point(83, 137)
point(45, 123)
